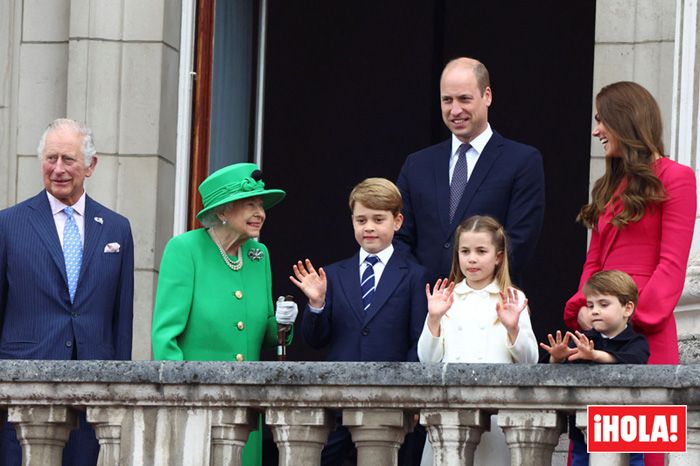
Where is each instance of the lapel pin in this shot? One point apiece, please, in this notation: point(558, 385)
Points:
point(99, 220)
point(255, 254)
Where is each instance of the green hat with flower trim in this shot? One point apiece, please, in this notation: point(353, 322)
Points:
point(237, 181)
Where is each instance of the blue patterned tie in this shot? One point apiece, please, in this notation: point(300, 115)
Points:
point(459, 179)
point(72, 251)
point(367, 282)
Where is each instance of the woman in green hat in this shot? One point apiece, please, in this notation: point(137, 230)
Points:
point(214, 296)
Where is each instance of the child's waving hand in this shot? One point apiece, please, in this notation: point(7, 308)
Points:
point(313, 284)
point(509, 309)
point(439, 302)
point(559, 350)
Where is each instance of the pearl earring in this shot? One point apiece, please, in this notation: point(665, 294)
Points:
point(223, 222)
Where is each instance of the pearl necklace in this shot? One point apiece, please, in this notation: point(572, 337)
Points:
point(233, 265)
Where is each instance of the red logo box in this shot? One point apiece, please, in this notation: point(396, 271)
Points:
point(637, 428)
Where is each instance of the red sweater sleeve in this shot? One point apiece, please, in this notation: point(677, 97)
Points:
point(591, 266)
point(663, 290)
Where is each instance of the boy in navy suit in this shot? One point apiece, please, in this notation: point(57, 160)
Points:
point(369, 307)
point(611, 297)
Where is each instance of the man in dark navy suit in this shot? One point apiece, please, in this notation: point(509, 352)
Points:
point(476, 171)
point(66, 275)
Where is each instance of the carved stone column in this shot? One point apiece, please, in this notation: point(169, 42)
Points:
point(42, 431)
point(230, 428)
point(107, 423)
point(692, 455)
point(299, 433)
point(377, 433)
point(600, 459)
point(531, 435)
point(454, 434)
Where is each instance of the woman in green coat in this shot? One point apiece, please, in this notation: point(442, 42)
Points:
point(214, 296)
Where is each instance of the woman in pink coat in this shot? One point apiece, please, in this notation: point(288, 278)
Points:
point(641, 214)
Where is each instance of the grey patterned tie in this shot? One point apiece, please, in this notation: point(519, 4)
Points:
point(459, 179)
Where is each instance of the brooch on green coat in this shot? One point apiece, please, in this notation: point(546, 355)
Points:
point(255, 254)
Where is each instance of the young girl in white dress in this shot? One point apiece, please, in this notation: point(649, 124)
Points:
point(478, 317)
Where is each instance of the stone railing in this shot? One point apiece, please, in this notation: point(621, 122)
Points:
point(200, 413)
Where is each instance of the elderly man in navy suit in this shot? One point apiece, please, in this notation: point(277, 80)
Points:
point(476, 171)
point(66, 275)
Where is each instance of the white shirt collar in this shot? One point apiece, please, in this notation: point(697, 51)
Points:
point(478, 143)
point(463, 289)
point(383, 255)
point(57, 206)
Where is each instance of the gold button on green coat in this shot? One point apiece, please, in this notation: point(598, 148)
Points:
point(238, 294)
point(240, 325)
point(194, 315)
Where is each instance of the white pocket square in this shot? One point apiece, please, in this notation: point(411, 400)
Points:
point(112, 247)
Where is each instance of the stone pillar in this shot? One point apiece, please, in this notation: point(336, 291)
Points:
point(299, 433)
point(42, 431)
point(107, 423)
point(454, 434)
point(377, 433)
point(692, 455)
point(684, 147)
point(120, 76)
point(531, 434)
point(600, 459)
point(230, 428)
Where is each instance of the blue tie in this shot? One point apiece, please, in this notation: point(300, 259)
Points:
point(459, 178)
point(72, 251)
point(367, 282)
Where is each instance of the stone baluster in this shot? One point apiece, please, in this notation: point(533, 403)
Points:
point(107, 423)
point(531, 434)
point(300, 434)
point(454, 434)
point(692, 454)
point(377, 433)
point(600, 459)
point(42, 431)
point(230, 428)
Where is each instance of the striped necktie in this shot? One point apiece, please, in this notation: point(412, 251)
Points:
point(367, 282)
point(72, 251)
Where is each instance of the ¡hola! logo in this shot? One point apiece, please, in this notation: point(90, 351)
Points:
point(637, 428)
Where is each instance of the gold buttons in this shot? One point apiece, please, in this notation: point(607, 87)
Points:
point(238, 294)
point(239, 357)
point(240, 325)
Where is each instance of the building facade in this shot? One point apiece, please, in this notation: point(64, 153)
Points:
point(127, 68)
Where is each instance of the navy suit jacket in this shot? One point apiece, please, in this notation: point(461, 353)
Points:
point(389, 331)
point(507, 183)
point(37, 319)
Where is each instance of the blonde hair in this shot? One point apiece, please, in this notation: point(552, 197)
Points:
point(377, 194)
point(484, 224)
point(479, 69)
point(612, 282)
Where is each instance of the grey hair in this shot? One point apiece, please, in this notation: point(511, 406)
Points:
point(211, 219)
point(88, 145)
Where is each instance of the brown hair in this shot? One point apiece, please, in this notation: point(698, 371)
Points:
point(612, 282)
point(479, 69)
point(630, 114)
point(484, 224)
point(377, 194)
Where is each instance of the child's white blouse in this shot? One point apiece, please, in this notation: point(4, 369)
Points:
point(469, 331)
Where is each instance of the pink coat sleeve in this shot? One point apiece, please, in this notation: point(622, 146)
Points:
point(663, 290)
point(591, 266)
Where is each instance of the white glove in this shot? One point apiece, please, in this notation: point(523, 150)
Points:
point(286, 311)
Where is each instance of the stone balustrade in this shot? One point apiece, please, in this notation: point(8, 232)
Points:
point(200, 413)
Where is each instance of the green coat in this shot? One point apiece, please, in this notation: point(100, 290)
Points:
point(204, 311)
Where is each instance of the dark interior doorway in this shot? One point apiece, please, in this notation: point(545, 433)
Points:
point(352, 88)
